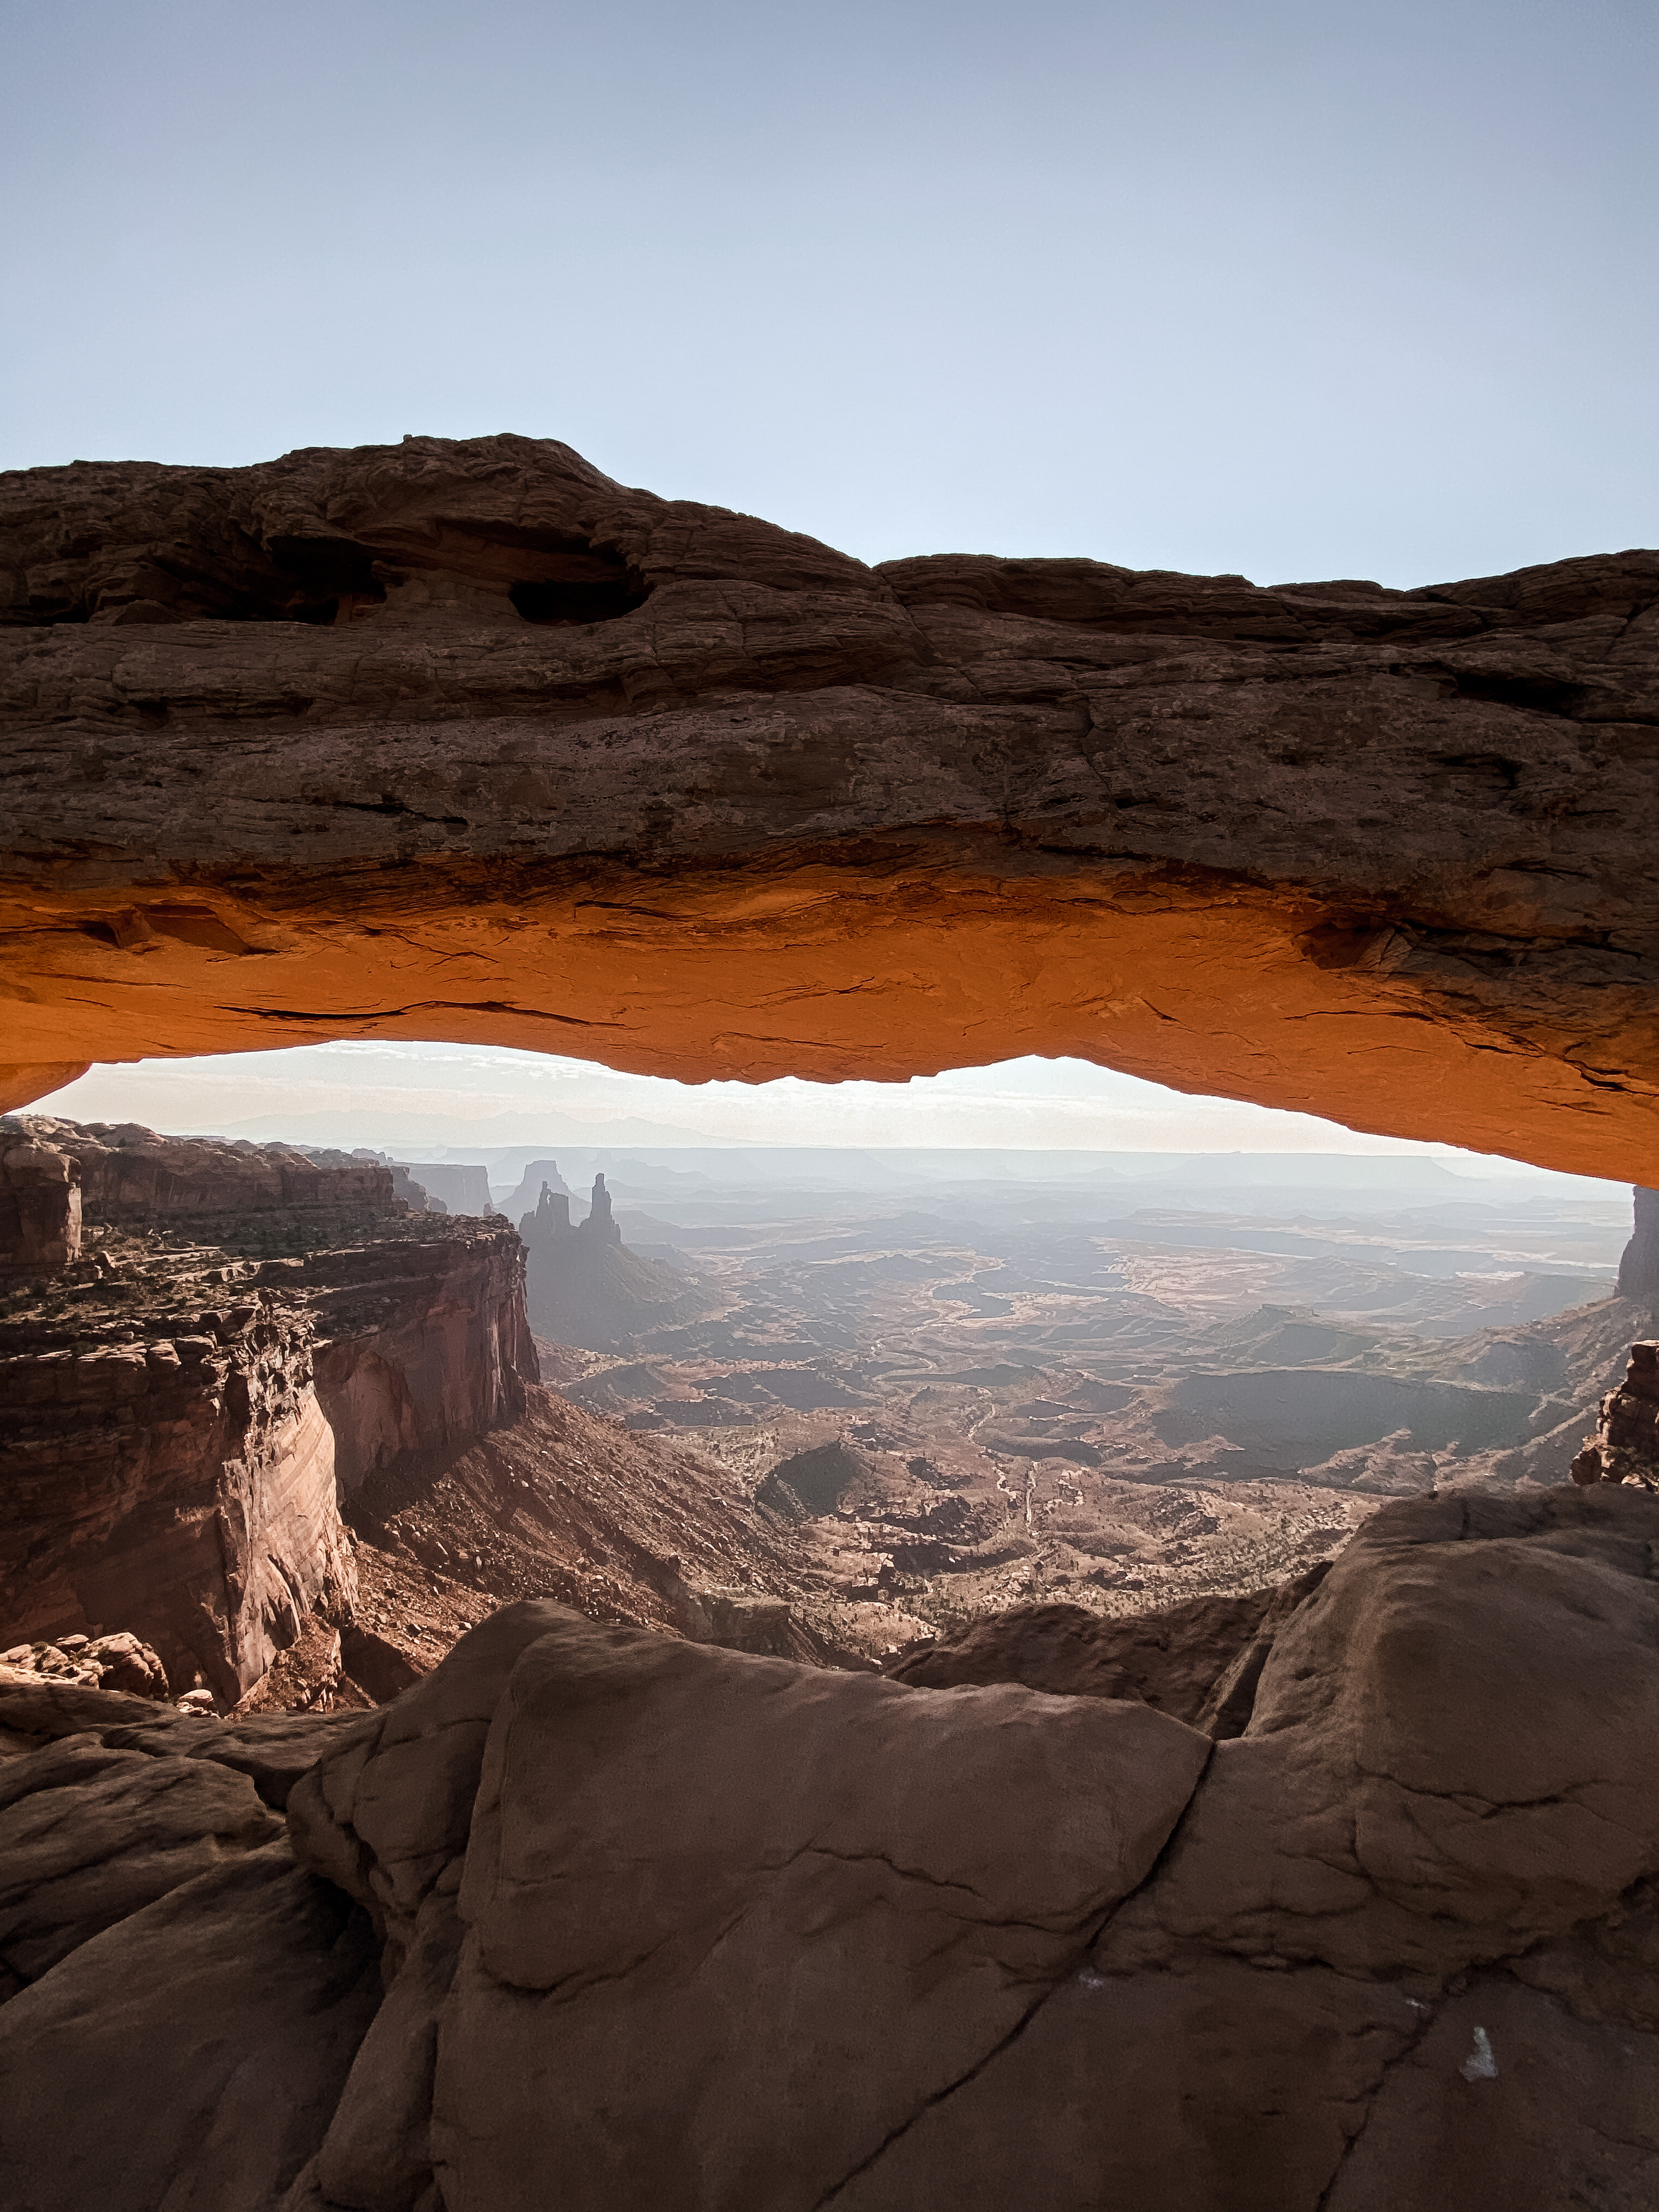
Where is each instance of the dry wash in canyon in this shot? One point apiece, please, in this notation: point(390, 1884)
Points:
point(554, 1843)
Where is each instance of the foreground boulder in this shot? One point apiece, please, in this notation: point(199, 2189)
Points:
point(191, 2054)
point(669, 1926)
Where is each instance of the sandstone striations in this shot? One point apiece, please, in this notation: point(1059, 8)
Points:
point(1625, 1448)
point(172, 1473)
point(887, 1945)
point(180, 1419)
point(466, 740)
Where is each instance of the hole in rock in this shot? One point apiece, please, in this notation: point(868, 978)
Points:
point(1544, 694)
point(328, 565)
point(578, 599)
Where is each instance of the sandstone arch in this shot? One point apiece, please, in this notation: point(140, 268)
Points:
point(466, 741)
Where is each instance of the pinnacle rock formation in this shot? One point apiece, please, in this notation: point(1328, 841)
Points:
point(1638, 1268)
point(583, 1287)
point(464, 739)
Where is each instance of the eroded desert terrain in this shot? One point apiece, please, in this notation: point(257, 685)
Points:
point(968, 1382)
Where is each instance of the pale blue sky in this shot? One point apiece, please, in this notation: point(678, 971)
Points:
point(1293, 287)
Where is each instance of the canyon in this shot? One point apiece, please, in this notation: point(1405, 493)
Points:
point(211, 1369)
point(293, 1464)
point(442, 1768)
point(986, 1382)
point(482, 1654)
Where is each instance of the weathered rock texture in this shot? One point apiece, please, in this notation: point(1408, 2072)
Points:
point(57, 1177)
point(39, 1205)
point(664, 1925)
point(1625, 1446)
point(131, 1178)
point(465, 740)
point(179, 1425)
point(1201, 1661)
point(116, 1662)
point(182, 1484)
point(423, 1343)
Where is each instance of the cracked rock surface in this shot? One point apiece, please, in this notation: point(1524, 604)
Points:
point(663, 1924)
point(463, 739)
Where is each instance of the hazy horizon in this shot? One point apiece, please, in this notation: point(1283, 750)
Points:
point(438, 1101)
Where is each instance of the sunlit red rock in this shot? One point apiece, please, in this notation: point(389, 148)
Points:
point(465, 740)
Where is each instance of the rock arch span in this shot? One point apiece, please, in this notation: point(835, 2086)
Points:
point(466, 741)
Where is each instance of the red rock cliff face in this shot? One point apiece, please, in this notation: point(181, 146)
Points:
point(176, 1423)
point(130, 1177)
point(39, 1206)
point(181, 1486)
point(423, 1347)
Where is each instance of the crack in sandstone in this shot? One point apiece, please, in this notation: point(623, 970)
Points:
point(426, 1006)
point(1427, 2014)
point(1012, 2035)
point(913, 2119)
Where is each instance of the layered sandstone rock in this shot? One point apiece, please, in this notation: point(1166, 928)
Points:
point(178, 1427)
point(1625, 1448)
point(182, 1484)
point(660, 1925)
point(39, 1204)
point(464, 739)
point(131, 1178)
point(423, 1342)
point(58, 1176)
